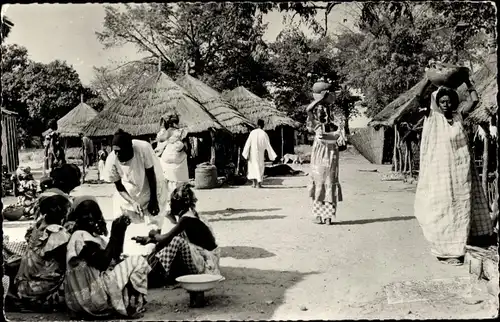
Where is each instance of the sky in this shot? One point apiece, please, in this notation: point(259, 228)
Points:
point(67, 32)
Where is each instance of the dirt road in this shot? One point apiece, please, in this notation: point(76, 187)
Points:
point(280, 265)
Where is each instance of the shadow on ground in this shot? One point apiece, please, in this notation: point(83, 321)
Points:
point(232, 211)
point(246, 294)
point(245, 252)
point(371, 221)
point(248, 218)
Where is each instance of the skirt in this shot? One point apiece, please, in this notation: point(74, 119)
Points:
point(324, 210)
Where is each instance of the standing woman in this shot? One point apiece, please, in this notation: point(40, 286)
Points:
point(324, 188)
point(173, 152)
point(450, 203)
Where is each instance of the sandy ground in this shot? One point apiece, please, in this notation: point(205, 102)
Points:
point(279, 265)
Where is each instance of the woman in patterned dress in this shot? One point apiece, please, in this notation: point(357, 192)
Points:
point(324, 188)
point(37, 285)
point(100, 282)
point(189, 247)
point(450, 203)
point(28, 261)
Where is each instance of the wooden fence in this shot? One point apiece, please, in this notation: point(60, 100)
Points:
point(10, 153)
point(370, 143)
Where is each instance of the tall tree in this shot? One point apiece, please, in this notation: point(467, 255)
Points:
point(299, 62)
point(218, 40)
point(38, 92)
point(345, 103)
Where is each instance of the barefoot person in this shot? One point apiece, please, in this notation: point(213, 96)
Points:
point(255, 147)
point(189, 247)
point(141, 192)
point(450, 203)
point(324, 188)
point(99, 282)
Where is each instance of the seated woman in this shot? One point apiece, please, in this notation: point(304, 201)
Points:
point(56, 189)
point(190, 246)
point(37, 286)
point(98, 282)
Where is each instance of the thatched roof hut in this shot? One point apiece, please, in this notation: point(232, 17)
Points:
point(255, 108)
point(485, 80)
point(140, 111)
point(397, 108)
point(486, 86)
point(73, 123)
point(223, 111)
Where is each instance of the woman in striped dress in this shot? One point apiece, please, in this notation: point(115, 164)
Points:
point(324, 188)
point(100, 282)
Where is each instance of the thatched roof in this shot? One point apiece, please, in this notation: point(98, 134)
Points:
point(485, 80)
point(72, 124)
point(394, 110)
point(255, 108)
point(223, 111)
point(485, 84)
point(139, 112)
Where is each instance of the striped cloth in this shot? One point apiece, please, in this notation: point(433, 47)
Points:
point(450, 203)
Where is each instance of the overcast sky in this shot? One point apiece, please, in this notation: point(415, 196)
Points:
point(67, 32)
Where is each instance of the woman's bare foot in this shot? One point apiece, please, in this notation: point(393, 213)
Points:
point(452, 261)
point(319, 221)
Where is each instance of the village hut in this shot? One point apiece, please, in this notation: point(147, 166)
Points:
point(401, 115)
point(280, 127)
point(141, 111)
point(226, 114)
point(72, 124)
point(10, 152)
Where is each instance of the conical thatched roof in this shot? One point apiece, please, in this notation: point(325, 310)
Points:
point(139, 112)
point(255, 108)
point(73, 123)
point(226, 114)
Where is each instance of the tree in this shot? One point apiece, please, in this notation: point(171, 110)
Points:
point(345, 103)
point(299, 62)
point(112, 83)
point(38, 92)
point(6, 27)
point(217, 40)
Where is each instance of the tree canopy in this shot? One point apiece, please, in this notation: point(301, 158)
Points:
point(39, 92)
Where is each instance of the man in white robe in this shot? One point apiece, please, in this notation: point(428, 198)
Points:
point(254, 150)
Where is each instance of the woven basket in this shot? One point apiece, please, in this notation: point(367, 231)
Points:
point(205, 177)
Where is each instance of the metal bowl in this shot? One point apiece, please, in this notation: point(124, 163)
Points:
point(199, 282)
point(447, 75)
point(13, 213)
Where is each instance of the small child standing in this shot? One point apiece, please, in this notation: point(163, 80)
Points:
point(102, 155)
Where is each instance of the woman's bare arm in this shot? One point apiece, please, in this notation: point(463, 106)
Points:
point(472, 103)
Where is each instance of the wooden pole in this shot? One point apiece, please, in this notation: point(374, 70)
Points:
point(282, 143)
point(212, 149)
point(159, 64)
point(394, 150)
point(238, 160)
point(484, 181)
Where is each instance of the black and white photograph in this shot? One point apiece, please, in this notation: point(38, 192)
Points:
point(249, 161)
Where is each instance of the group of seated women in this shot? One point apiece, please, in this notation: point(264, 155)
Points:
point(68, 263)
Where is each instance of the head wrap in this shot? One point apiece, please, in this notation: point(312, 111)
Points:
point(122, 139)
point(78, 200)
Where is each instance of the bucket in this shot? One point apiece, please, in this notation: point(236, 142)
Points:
point(205, 176)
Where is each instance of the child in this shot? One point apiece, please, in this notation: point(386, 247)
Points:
point(27, 189)
point(102, 155)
